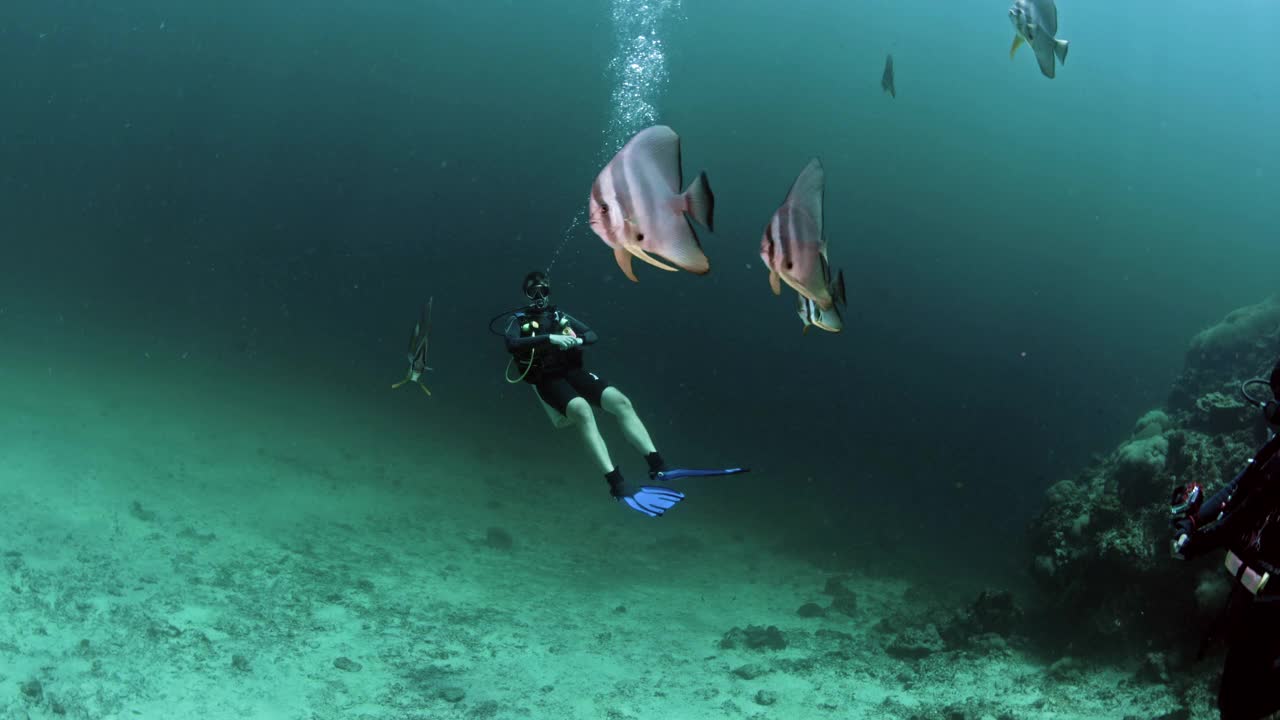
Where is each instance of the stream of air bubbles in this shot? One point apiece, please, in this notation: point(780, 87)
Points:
point(638, 78)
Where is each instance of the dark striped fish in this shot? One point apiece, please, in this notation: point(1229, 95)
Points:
point(794, 247)
point(886, 80)
point(417, 354)
point(637, 208)
point(829, 320)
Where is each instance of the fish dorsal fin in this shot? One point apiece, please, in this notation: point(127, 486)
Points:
point(806, 192)
point(423, 332)
point(1050, 17)
point(413, 337)
point(661, 146)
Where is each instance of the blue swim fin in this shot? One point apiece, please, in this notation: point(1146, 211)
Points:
point(681, 473)
point(652, 501)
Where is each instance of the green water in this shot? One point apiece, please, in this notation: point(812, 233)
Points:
point(266, 191)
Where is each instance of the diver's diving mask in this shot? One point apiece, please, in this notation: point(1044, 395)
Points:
point(537, 288)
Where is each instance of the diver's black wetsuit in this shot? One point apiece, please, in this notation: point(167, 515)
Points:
point(556, 373)
point(1244, 518)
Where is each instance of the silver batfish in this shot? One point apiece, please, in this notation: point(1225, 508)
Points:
point(886, 80)
point(1036, 22)
point(794, 248)
point(637, 208)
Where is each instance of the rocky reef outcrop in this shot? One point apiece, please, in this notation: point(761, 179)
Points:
point(1101, 543)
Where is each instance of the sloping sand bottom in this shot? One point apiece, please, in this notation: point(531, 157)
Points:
point(183, 545)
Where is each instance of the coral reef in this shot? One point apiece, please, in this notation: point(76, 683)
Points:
point(1101, 542)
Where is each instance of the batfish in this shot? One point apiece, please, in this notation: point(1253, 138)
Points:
point(794, 247)
point(637, 207)
point(1036, 22)
point(886, 80)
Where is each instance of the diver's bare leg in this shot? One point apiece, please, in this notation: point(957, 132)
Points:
point(619, 406)
point(579, 413)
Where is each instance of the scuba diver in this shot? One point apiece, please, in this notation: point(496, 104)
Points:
point(1243, 518)
point(546, 348)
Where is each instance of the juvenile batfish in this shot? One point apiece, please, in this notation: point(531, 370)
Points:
point(1036, 22)
point(794, 247)
point(886, 80)
point(829, 320)
point(637, 208)
point(418, 342)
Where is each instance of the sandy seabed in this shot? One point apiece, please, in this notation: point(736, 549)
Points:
point(183, 544)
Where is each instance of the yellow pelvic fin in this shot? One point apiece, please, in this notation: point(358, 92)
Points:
point(624, 261)
point(1017, 43)
point(640, 253)
point(406, 379)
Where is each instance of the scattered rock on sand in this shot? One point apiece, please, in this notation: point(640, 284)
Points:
point(750, 671)
point(811, 610)
point(766, 697)
point(453, 694)
point(843, 600)
point(499, 539)
point(346, 664)
point(914, 643)
point(754, 637)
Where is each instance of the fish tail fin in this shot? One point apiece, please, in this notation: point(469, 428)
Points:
point(1060, 49)
point(685, 250)
point(837, 293)
point(700, 202)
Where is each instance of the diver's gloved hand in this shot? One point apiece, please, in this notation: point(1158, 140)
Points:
point(564, 342)
point(1184, 505)
point(1177, 549)
point(1183, 529)
point(651, 501)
